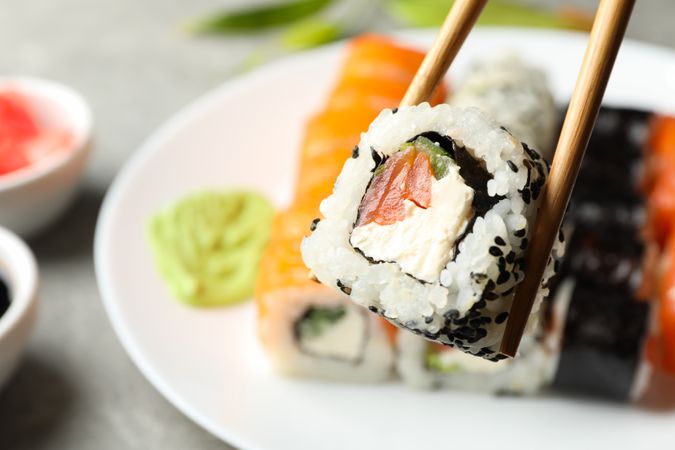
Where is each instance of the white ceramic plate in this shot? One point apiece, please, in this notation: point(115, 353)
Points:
point(208, 362)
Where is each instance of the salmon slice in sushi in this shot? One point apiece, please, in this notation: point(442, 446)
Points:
point(428, 224)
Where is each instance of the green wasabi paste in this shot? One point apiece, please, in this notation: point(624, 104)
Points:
point(207, 246)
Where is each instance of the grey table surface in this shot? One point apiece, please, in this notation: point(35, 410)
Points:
point(77, 388)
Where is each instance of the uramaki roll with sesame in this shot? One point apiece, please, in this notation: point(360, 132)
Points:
point(428, 224)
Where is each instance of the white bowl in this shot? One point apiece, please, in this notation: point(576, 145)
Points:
point(33, 197)
point(19, 271)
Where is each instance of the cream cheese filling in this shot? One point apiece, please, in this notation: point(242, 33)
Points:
point(344, 339)
point(422, 243)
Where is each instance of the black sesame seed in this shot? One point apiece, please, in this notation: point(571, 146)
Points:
point(526, 195)
point(461, 321)
point(556, 265)
point(481, 333)
point(394, 111)
point(428, 319)
point(314, 223)
point(512, 165)
point(459, 343)
point(486, 319)
point(510, 257)
point(475, 323)
point(452, 314)
point(501, 263)
point(536, 190)
point(503, 277)
point(490, 296)
point(487, 350)
point(480, 304)
point(500, 241)
point(501, 317)
point(495, 251)
point(473, 314)
point(533, 154)
point(372, 309)
point(347, 290)
point(520, 233)
point(490, 285)
point(561, 237)
point(355, 151)
point(478, 276)
point(431, 336)
point(523, 244)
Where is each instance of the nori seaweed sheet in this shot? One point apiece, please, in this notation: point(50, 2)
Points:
point(606, 323)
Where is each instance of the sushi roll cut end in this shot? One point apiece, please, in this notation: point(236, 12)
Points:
point(429, 228)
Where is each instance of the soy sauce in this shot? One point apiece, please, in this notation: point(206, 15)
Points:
point(4, 296)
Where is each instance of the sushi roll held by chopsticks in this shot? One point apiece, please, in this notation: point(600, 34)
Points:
point(428, 223)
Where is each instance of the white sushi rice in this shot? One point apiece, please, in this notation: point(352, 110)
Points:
point(516, 95)
point(440, 310)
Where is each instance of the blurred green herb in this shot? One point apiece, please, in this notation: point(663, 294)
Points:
point(431, 13)
point(310, 23)
point(300, 36)
point(311, 33)
point(258, 17)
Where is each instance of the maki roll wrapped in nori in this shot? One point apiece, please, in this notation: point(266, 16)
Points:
point(428, 224)
point(603, 296)
point(604, 321)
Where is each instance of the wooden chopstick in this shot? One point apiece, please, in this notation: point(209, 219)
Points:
point(451, 36)
point(605, 39)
